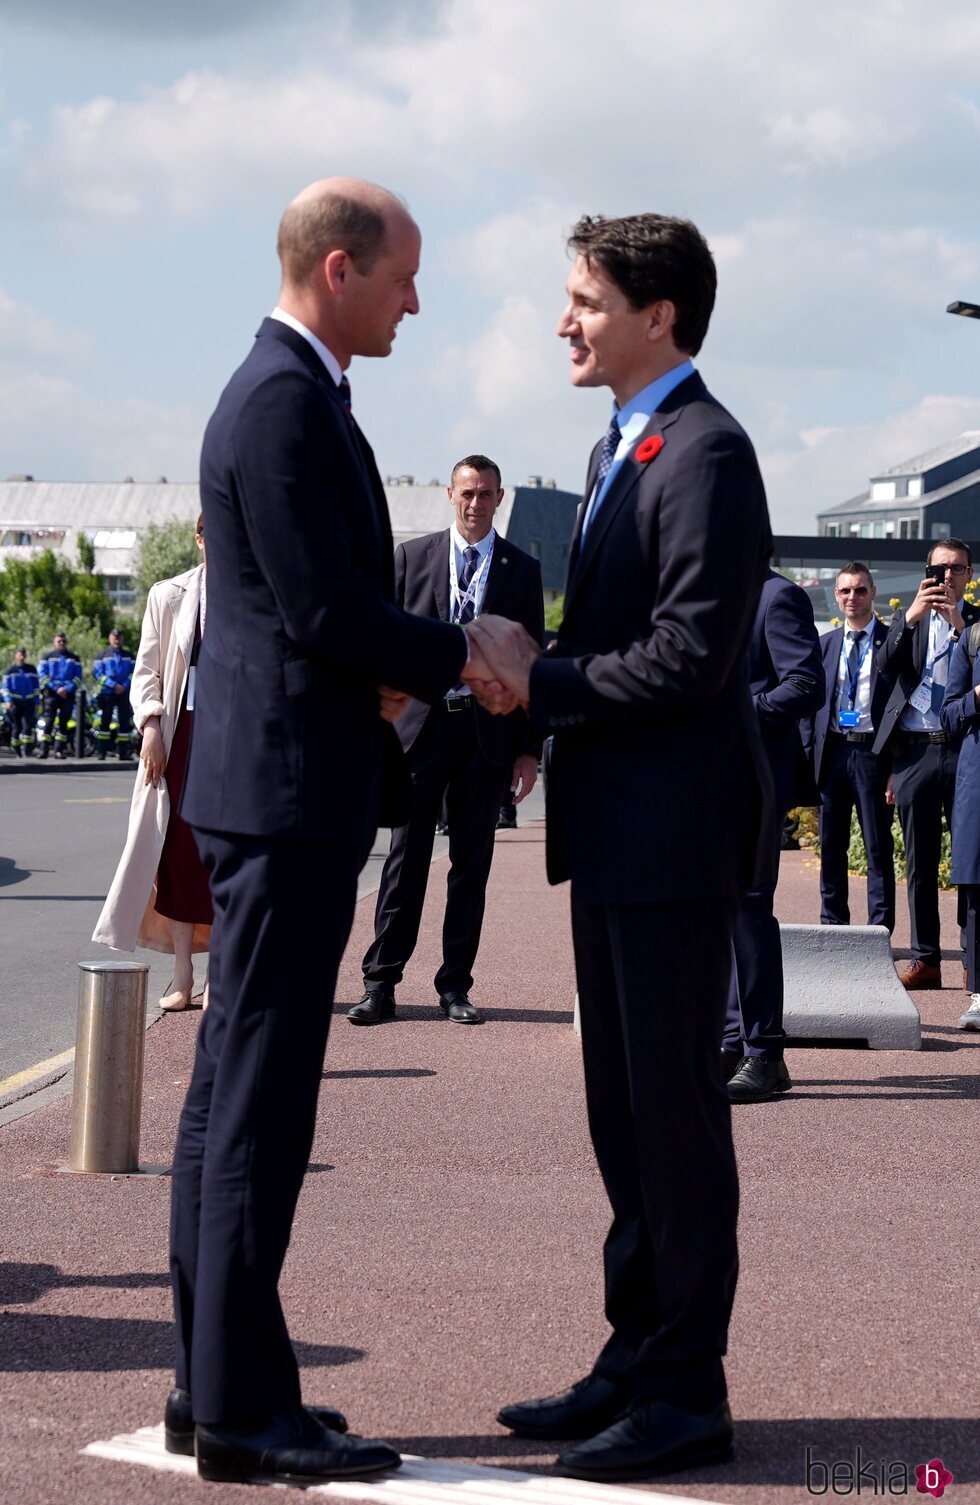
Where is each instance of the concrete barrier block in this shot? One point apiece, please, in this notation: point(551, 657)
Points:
point(840, 983)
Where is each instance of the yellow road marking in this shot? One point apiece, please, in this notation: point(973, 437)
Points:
point(31, 1073)
point(106, 799)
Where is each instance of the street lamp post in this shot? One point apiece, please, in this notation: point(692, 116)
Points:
point(968, 310)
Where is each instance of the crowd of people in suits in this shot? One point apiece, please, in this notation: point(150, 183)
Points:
point(41, 702)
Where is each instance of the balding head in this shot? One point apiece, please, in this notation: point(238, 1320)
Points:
point(335, 214)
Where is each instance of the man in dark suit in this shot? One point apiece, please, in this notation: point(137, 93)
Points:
point(300, 631)
point(915, 656)
point(455, 750)
point(839, 740)
point(659, 801)
point(787, 683)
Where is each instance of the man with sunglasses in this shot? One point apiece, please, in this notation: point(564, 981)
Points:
point(915, 657)
point(840, 742)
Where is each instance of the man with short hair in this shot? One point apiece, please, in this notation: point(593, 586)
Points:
point(839, 743)
point(915, 656)
point(60, 675)
point(21, 692)
point(659, 804)
point(301, 646)
point(454, 749)
point(113, 673)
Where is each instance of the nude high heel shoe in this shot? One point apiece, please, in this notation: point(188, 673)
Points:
point(173, 1001)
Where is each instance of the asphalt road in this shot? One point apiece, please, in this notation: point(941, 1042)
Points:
point(62, 828)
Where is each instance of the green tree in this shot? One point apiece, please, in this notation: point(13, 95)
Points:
point(553, 614)
point(85, 549)
point(49, 589)
point(164, 550)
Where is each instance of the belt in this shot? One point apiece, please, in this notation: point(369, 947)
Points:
point(922, 736)
point(860, 738)
point(458, 702)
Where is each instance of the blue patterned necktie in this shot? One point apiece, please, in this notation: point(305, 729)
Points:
point(466, 613)
point(343, 388)
point(607, 454)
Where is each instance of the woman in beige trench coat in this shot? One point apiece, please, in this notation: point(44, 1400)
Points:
point(130, 917)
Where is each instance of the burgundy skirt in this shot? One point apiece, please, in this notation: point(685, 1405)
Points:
point(183, 892)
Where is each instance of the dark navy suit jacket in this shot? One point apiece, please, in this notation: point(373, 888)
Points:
point(961, 723)
point(659, 788)
point(786, 676)
point(814, 729)
point(301, 624)
point(902, 656)
point(513, 590)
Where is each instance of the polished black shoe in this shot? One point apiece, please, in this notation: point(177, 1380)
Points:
point(507, 818)
point(377, 1005)
point(756, 1080)
point(290, 1449)
point(731, 1060)
point(589, 1406)
point(178, 1422)
point(457, 1007)
point(654, 1438)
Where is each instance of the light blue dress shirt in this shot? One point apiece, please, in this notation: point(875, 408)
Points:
point(633, 418)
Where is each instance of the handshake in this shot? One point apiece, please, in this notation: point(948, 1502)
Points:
point(498, 670)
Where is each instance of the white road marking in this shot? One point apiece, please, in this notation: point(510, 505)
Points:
point(419, 1481)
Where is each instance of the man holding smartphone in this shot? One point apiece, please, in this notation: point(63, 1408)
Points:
point(915, 655)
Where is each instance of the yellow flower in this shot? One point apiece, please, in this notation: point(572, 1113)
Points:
point(835, 621)
point(894, 602)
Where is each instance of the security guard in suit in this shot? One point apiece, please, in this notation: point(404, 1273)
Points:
point(61, 679)
point(113, 673)
point(21, 693)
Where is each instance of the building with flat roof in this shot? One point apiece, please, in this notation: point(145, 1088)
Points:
point(37, 515)
point(931, 496)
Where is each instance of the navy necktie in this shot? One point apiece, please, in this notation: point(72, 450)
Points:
point(854, 665)
point(607, 454)
point(471, 558)
point(343, 387)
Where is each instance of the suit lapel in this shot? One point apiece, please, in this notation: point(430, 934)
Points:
point(498, 573)
point(439, 573)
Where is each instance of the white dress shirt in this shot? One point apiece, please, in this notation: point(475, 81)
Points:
point(327, 356)
point(458, 543)
point(862, 698)
point(935, 672)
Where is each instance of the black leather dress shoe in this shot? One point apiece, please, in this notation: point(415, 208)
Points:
point(507, 818)
point(589, 1406)
point(654, 1438)
point(457, 1007)
point(178, 1422)
point(756, 1080)
point(377, 1005)
point(290, 1449)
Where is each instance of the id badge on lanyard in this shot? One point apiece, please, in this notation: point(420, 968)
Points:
point(459, 602)
point(849, 717)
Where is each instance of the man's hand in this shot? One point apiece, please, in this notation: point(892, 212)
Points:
point(393, 703)
point(62, 693)
point(152, 754)
point(890, 791)
point(930, 597)
point(476, 673)
point(510, 653)
point(119, 689)
point(524, 778)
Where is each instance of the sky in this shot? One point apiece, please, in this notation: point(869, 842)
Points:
point(830, 154)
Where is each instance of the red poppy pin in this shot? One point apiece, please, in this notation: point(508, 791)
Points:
point(649, 449)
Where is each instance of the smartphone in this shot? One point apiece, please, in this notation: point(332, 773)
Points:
point(936, 572)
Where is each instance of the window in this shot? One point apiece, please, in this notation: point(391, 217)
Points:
point(114, 538)
point(832, 530)
point(915, 486)
point(940, 530)
point(883, 491)
point(120, 589)
point(534, 547)
point(908, 527)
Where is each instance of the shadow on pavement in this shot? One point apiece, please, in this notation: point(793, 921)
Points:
point(50, 1343)
point(11, 873)
point(919, 1089)
point(767, 1452)
point(347, 1076)
point(23, 1283)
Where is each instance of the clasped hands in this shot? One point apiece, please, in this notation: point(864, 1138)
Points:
point(502, 655)
point(498, 671)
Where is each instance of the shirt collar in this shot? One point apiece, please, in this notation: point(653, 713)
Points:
point(462, 543)
point(327, 356)
point(634, 415)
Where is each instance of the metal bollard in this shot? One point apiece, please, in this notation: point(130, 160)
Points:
point(108, 1092)
point(81, 721)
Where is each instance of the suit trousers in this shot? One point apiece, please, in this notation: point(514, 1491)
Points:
point(924, 775)
point(444, 761)
point(852, 775)
point(754, 1017)
point(653, 980)
point(282, 915)
point(970, 915)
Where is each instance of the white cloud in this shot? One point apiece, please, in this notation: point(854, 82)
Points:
point(26, 335)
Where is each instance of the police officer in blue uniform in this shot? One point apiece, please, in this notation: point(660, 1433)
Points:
point(21, 693)
point(61, 679)
point(113, 673)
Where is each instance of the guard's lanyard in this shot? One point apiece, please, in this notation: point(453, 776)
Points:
point(852, 680)
point(944, 652)
point(470, 594)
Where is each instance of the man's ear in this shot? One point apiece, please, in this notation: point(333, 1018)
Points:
point(335, 268)
point(662, 317)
